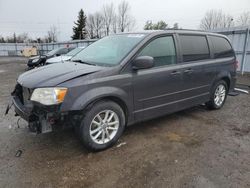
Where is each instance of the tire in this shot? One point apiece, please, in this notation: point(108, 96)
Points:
point(112, 129)
point(218, 89)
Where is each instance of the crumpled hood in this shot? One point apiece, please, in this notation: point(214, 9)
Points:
point(52, 75)
point(58, 59)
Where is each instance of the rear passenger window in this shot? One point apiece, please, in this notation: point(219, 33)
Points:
point(222, 47)
point(194, 47)
point(162, 50)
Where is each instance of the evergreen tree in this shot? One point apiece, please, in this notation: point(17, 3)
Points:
point(79, 30)
point(161, 25)
point(149, 25)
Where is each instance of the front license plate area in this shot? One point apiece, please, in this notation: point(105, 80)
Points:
point(45, 126)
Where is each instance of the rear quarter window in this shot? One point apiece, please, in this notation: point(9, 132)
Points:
point(222, 47)
point(194, 47)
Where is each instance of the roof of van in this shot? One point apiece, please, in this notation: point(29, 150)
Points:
point(180, 31)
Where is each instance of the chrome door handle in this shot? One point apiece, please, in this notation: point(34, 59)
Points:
point(175, 72)
point(188, 71)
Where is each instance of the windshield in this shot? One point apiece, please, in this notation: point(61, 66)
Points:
point(109, 51)
point(74, 52)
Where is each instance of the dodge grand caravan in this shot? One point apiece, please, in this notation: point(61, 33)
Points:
point(127, 78)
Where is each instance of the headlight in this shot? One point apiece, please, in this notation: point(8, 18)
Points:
point(35, 60)
point(49, 96)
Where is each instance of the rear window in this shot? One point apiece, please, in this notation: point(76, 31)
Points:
point(194, 48)
point(222, 47)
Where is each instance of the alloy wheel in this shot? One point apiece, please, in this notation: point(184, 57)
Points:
point(104, 126)
point(219, 95)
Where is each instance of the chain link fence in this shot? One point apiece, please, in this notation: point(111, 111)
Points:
point(15, 49)
point(239, 37)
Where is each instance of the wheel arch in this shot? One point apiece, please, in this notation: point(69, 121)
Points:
point(115, 99)
point(117, 95)
point(225, 76)
point(227, 80)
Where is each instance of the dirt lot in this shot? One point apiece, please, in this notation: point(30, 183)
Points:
point(192, 148)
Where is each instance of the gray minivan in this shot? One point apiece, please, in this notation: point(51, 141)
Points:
point(127, 78)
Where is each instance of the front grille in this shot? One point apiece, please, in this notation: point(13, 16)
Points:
point(22, 93)
point(18, 92)
point(26, 95)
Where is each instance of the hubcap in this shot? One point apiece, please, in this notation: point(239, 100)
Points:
point(219, 95)
point(104, 126)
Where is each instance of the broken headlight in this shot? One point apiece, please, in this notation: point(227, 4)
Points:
point(49, 96)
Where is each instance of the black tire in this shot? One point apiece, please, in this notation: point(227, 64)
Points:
point(90, 114)
point(211, 104)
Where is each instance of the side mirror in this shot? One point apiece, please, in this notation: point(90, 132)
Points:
point(143, 62)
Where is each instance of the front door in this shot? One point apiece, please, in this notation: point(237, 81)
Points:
point(155, 89)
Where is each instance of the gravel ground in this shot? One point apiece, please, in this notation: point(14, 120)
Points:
point(191, 148)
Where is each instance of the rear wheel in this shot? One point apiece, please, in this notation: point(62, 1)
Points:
point(102, 125)
point(218, 95)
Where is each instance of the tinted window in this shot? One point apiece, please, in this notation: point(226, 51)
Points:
point(162, 50)
point(222, 48)
point(194, 47)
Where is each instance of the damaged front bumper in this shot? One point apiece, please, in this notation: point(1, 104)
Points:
point(23, 111)
point(41, 118)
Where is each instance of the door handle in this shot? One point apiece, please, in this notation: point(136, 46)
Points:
point(175, 72)
point(188, 71)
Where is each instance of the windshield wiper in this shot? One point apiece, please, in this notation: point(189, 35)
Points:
point(83, 62)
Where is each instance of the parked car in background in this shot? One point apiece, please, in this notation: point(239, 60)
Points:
point(41, 59)
point(124, 79)
point(65, 57)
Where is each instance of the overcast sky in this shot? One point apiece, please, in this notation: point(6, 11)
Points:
point(35, 17)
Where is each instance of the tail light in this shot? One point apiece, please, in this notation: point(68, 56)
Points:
point(236, 64)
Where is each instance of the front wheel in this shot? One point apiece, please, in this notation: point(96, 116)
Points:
point(218, 95)
point(102, 125)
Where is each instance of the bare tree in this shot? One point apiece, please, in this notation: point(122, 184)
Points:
point(244, 19)
point(216, 19)
point(108, 16)
point(125, 20)
point(176, 26)
point(98, 26)
point(95, 25)
point(108, 21)
point(90, 26)
point(2, 40)
point(114, 23)
point(52, 34)
point(227, 21)
point(23, 37)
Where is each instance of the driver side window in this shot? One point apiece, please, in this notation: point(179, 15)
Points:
point(162, 50)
